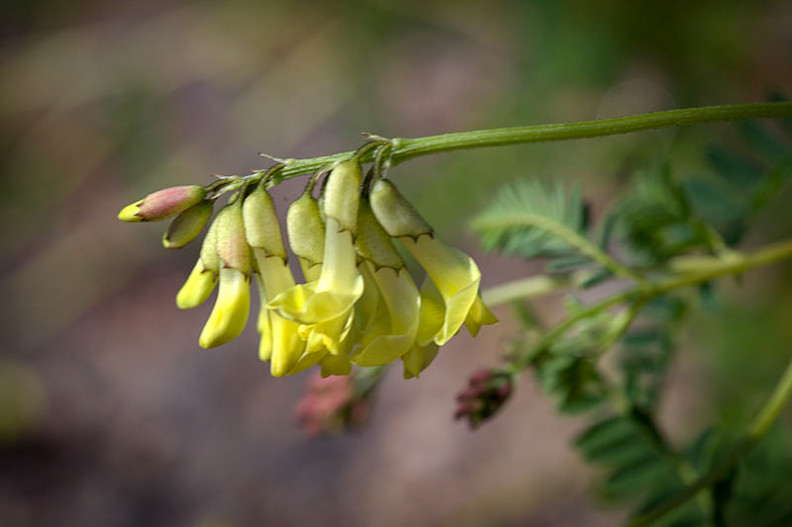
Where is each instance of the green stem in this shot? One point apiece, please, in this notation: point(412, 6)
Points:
point(764, 419)
point(531, 287)
point(404, 149)
point(646, 291)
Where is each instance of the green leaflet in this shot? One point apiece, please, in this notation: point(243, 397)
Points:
point(533, 218)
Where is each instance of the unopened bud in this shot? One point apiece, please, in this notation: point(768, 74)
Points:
point(396, 214)
point(342, 194)
point(187, 225)
point(163, 204)
point(484, 396)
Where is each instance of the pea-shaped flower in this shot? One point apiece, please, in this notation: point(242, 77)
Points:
point(230, 312)
point(280, 341)
point(325, 307)
point(454, 273)
point(394, 321)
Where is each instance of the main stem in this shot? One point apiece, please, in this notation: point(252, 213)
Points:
point(408, 148)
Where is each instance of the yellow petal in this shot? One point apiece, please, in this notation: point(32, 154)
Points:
point(371, 312)
point(479, 315)
point(230, 311)
point(335, 365)
point(417, 359)
point(286, 345)
point(403, 302)
point(263, 324)
point(197, 288)
point(432, 314)
point(456, 276)
point(307, 360)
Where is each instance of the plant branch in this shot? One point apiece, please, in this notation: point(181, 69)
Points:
point(408, 148)
point(764, 419)
point(705, 270)
point(531, 287)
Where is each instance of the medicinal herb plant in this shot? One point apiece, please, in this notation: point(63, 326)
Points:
point(666, 242)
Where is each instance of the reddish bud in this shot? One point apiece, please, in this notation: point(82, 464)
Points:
point(163, 204)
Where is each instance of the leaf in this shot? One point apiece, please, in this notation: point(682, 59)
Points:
point(532, 218)
point(654, 218)
point(612, 441)
point(572, 380)
point(638, 477)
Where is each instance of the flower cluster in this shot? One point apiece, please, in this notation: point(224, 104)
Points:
point(358, 303)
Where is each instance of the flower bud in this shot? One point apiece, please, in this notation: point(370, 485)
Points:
point(306, 232)
point(163, 204)
point(486, 393)
point(262, 228)
point(342, 194)
point(396, 214)
point(187, 225)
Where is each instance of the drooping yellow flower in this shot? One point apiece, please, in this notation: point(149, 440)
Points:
point(280, 341)
point(395, 320)
point(325, 307)
point(454, 273)
point(230, 312)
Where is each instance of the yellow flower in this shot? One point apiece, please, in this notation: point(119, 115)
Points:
point(230, 312)
point(280, 341)
point(394, 321)
point(454, 273)
point(325, 307)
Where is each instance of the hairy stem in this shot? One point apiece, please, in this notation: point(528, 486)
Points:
point(408, 148)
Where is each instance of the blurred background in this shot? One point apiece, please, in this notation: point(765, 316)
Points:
point(110, 414)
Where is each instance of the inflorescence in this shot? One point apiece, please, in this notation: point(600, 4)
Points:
point(358, 303)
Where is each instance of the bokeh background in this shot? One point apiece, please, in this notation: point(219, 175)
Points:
point(110, 414)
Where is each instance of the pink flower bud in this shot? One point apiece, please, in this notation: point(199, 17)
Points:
point(163, 204)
